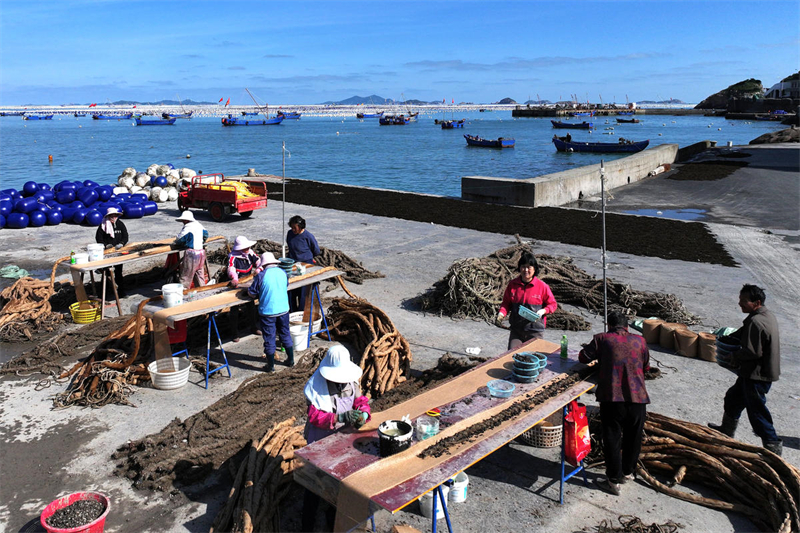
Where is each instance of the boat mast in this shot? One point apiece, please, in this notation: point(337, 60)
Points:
point(266, 115)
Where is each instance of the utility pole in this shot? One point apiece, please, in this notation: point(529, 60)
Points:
point(603, 203)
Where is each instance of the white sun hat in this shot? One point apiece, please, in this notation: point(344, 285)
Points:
point(186, 216)
point(336, 366)
point(268, 259)
point(113, 211)
point(242, 243)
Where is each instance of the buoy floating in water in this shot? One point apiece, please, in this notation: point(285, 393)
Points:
point(50, 158)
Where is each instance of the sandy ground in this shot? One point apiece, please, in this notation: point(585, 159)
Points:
point(46, 453)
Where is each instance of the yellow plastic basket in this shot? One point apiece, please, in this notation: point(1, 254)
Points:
point(85, 312)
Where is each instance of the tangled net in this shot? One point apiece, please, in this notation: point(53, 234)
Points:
point(474, 287)
point(634, 524)
point(353, 270)
point(385, 353)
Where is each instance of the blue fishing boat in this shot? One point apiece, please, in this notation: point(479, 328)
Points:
point(154, 121)
point(623, 146)
point(394, 120)
point(37, 117)
point(369, 115)
point(452, 124)
point(177, 115)
point(589, 114)
point(230, 120)
point(500, 142)
point(628, 120)
point(98, 116)
point(576, 126)
point(291, 115)
point(12, 114)
point(250, 113)
point(80, 115)
point(625, 112)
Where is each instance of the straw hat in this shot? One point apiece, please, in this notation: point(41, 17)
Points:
point(186, 216)
point(337, 367)
point(268, 259)
point(242, 243)
point(113, 211)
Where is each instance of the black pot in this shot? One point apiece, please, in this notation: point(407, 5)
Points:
point(394, 436)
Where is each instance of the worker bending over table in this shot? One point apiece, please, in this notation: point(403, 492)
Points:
point(191, 239)
point(622, 359)
point(270, 287)
point(530, 292)
point(334, 399)
point(242, 261)
point(112, 233)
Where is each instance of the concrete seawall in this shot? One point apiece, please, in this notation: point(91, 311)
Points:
point(567, 186)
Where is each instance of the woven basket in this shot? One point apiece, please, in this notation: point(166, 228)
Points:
point(85, 312)
point(545, 434)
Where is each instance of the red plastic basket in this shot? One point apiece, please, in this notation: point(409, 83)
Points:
point(92, 527)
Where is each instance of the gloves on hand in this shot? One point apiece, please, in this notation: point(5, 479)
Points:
point(119, 246)
point(541, 312)
point(351, 417)
point(362, 418)
point(234, 283)
point(109, 246)
point(498, 321)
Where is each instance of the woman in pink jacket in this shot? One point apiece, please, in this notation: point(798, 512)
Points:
point(532, 293)
point(334, 399)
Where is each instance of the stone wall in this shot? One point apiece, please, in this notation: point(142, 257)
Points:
point(763, 105)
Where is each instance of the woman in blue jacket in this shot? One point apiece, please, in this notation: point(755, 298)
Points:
point(270, 287)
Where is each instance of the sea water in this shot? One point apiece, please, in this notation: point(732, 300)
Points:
point(417, 157)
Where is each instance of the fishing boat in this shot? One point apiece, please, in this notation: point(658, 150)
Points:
point(567, 126)
point(582, 114)
point(452, 124)
point(168, 116)
point(12, 114)
point(37, 117)
point(623, 146)
point(394, 120)
point(369, 115)
point(98, 116)
point(230, 120)
point(625, 112)
point(250, 113)
point(291, 115)
point(154, 121)
point(80, 115)
point(500, 142)
point(628, 120)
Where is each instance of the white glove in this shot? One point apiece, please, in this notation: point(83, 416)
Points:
point(498, 321)
point(541, 312)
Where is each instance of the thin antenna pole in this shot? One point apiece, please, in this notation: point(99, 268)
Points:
point(603, 202)
point(283, 202)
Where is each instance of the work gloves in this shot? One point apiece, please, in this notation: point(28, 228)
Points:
point(541, 312)
point(109, 246)
point(353, 417)
point(234, 283)
point(119, 246)
point(498, 321)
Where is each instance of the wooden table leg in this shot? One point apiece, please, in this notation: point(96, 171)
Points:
point(94, 284)
point(114, 288)
point(77, 282)
point(103, 292)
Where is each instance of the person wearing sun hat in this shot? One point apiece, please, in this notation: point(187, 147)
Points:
point(191, 238)
point(242, 261)
point(112, 233)
point(270, 287)
point(334, 399)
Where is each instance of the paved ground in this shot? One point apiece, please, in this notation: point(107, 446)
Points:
point(47, 453)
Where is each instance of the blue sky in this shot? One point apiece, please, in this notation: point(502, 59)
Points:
point(66, 51)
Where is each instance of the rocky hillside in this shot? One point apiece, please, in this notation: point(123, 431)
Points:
point(743, 89)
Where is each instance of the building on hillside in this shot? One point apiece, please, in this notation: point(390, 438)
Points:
point(786, 88)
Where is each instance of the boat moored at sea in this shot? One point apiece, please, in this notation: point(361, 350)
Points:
point(500, 142)
point(140, 121)
point(230, 120)
point(394, 120)
point(37, 117)
point(452, 124)
point(168, 116)
point(628, 120)
point(568, 126)
point(98, 116)
point(290, 115)
point(623, 146)
point(369, 115)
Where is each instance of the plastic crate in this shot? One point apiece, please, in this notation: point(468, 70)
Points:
point(545, 434)
point(85, 312)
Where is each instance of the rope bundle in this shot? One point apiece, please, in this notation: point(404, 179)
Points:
point(262, 481)
point(385, 353)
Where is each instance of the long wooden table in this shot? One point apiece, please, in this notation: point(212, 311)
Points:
point(464, 400)
point(208, 302)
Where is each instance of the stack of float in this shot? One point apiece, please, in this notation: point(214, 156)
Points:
point(159, 182)
point(79, 202)
point(680, 339)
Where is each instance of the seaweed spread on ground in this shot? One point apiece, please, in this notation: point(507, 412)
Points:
point(385, 353)
point(473, 288)
point(747, 479)
point(634, 524)
point(353, 270)
point(539, 396)
point(706, 170)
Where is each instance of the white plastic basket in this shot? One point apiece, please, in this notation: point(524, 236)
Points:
point(169, 373)
point(545, 434)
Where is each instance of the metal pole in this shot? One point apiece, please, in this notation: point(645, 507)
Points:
point(603, 203)
point(283, 198)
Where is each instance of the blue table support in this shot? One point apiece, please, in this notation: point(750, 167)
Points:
point(315, 292)
point(581, 467)
point(437, 495)
point(212, 321)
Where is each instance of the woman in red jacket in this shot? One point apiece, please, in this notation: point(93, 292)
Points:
point(532, 293)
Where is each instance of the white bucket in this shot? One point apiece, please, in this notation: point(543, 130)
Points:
point(458, 492)
point(299, 335)
point(95, 252)
point(296, 319)
point(172, 294)
point(426, 503)
point(81, 258)
point(169, 373)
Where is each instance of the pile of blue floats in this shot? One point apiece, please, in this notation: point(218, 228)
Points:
point(77, 202)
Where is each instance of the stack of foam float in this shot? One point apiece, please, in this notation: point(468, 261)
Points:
point(680, 339)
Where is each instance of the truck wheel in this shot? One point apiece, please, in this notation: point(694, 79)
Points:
point(217, 212)
point(181, 207)
point(246, 214)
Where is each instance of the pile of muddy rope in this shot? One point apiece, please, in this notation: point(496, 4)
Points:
point(634, 524)
point(749, 479)
point(385, 353)
point(473, 288)
point(353, 270)
point(262, 481)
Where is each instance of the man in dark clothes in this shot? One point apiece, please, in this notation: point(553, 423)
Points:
point(112, 233)
point(303, 248)
point(622, 358)
point(758, 362)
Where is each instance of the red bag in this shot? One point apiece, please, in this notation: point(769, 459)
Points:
point(577, 441)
